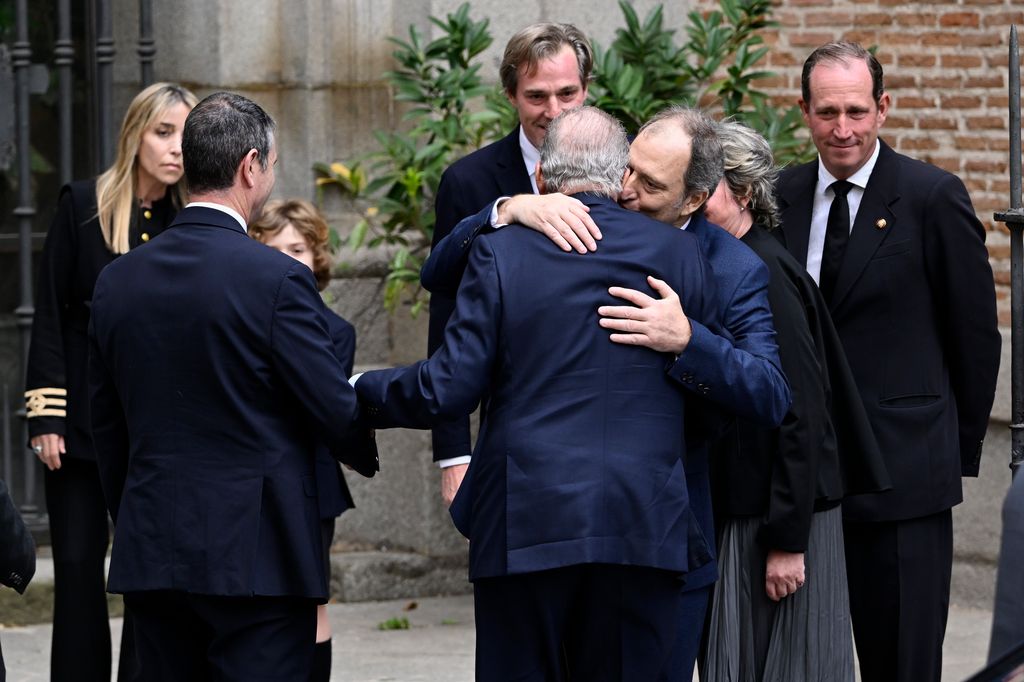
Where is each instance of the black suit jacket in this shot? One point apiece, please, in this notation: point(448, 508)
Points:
point(210, 389)
point(915, 307)
point(467, 186)
point(824, 449)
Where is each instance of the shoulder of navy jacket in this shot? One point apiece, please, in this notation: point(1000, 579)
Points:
point(46, 402)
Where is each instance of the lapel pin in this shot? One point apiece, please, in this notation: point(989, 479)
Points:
point(880, 223)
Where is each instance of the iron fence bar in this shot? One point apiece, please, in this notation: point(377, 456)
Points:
point(104, 83)
point(147, 46)
point(1014, 219)
point(8, 451)
point(64, 53)
point(21, 54)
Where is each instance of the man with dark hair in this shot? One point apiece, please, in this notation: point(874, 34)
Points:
point(899, 255)
point(210, 389)
point(576, 503)
point(675, 164)
point(544, 71)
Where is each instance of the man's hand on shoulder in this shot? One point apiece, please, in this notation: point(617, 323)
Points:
point(656, 323)
point(564, 220)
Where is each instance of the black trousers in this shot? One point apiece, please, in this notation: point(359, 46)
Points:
point(79, 535)
point(183, 637)
point(594, 622)
point(899, 574)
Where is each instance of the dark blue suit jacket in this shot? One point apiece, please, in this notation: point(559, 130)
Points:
point(466, 186)
point(332, 489)
point(210, 388)
point(734, 364)
point(915, 308)
point(579, 458)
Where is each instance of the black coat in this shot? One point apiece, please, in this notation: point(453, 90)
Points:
point(915, 308)
point(467, 186)
point(56, 384)
point(17, 552)
point(824, 449)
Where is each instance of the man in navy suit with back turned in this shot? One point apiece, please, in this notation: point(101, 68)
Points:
point(544, 71)
point(899, 255)
point(211, 387)
point(575, 503)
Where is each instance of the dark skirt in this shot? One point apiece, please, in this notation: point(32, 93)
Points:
point(805, 637)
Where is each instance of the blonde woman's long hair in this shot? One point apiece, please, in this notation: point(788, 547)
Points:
point(115, 187)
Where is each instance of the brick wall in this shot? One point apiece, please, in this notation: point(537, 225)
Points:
point(946, 71)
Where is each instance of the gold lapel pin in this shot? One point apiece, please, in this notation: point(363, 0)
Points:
point(880, 223)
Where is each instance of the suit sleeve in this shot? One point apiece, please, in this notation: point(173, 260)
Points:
point(17, 549)
point(304, 358)
point(961, 277)
point(452, 381)
point(738, 370)
point(449, 439)
point(442, 271)
point(46, 375)
point(109, 425)
point(802, 434)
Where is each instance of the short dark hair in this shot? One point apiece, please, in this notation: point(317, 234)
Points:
point(218, 133)
point(842, 52)
point(543, 41)
point(706, 156)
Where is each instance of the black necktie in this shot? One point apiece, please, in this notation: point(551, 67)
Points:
point(837, 233)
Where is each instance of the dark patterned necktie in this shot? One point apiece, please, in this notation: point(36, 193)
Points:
point(837, 234)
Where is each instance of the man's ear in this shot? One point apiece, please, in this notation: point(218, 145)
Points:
point(540, 180)
point(693, 202)
point(247, 168)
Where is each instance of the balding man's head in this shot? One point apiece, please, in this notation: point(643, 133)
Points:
point(585, 150)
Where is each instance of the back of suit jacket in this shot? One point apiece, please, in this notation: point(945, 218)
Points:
point(914, 305)
point(210, 390)
point(579, 454)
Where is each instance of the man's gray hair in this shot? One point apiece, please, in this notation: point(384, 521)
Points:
point(218, 133)
point(705, 167)
point(584, 149)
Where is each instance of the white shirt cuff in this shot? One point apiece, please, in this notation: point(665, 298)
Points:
point(454, 461)
point(494, 212)
point(354, 378)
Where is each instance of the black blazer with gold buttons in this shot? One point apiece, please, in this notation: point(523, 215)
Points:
point(56, 386)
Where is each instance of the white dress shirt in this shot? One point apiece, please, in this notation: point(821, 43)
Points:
point(823, 202)
point(221, 207)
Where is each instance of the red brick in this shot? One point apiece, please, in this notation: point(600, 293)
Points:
point(960, 61)
point(1001, 186)
point(995, 81)
point(999, 144)
point(983, 2)
point(997, 102)
point(809, 39)
point(1002, 20)
point(918, 144)
point(896, 38)
point(975, 184)
point(899, 122)
point(970, 143)
point(830, 19)
point(778, 58)
point(985, 123)
point(934, 38)
point(998, 250)
point(981, 39)
point(961, 102)
point(914, 102)
point(873, 19)
point(961, 19)
point(983, 166)
point(862, 37)
point(928, 123)
point(808, 3)
point(777, 81)
point(787, 19)
point(917, 60)
point(917, 19)
point(951, 164)
point(898, 80)
point(941, 82)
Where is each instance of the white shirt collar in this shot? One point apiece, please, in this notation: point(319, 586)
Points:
point(686, 224)
point(859, 179)
point(221, 207)
point(531, 156)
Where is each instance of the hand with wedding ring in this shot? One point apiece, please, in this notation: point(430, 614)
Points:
point(48, 448)
point(784, 573)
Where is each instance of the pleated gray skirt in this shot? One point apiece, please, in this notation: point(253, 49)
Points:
point(805, 637)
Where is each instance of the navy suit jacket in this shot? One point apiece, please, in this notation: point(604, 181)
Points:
point(733, 364)
point(915, 308)
point(332, 489)
point(466, 186)
point(579, 458)
point(210, 388)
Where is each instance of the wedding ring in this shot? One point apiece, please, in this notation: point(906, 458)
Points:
point(38, 449)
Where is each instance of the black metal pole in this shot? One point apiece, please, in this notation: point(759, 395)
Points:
point(147, 46)
point(64, 53)
point(21, 59)
point(104, 83)
point(1014, 219)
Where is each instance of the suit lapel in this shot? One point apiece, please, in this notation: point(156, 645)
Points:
point(511, 174)
point(796, 199)
point(866, 236)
